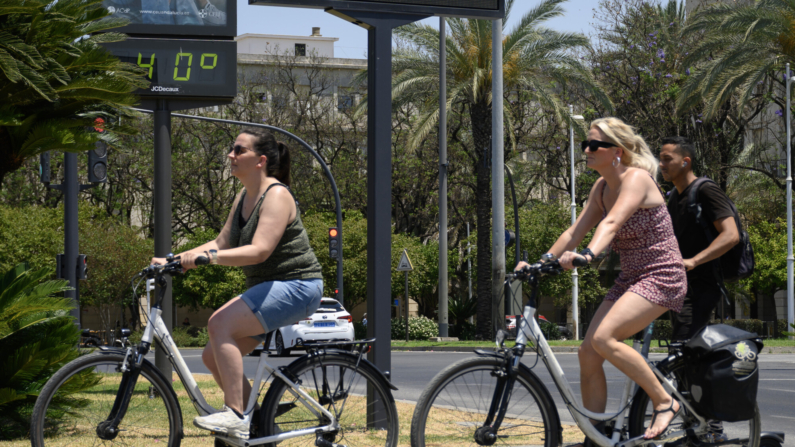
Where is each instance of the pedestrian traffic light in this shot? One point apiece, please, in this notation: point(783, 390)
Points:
point(98, 163)
point(82, 267)
point(334, 246)
point(44, 167)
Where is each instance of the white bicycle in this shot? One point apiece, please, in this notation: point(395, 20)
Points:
point(494, 399)
point(330, 397)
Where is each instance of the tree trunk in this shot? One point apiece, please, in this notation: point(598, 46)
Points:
point(9, 161)
point(481, 130)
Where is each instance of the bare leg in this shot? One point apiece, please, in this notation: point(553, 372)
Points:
point(246, 345)
point(232, 322)
point(629, 315)
point(593, 384)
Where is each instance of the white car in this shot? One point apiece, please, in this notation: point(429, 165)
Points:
point(331, 322)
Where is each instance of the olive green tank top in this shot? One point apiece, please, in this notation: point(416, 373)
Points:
point(292, 258)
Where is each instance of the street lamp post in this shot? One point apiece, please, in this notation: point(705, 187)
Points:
point(790, 259)
point(575, 278)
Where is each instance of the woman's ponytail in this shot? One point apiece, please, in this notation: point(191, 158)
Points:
point(283, 170)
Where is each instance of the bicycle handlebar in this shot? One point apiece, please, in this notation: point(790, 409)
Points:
point(170, 268)
point(543, 268)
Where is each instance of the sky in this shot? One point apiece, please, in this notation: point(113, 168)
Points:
point(353, 39)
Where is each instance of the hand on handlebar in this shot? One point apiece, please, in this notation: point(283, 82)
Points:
point(570, 260)
point(191, 260)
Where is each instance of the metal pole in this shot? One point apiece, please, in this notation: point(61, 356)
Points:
point(498, 176)
point(443, 328)
point(517, 286)
point(71, 249)
point(575, 277)
point(790, 259)
point(308, 148)
point(407, 306)
point(469, 271)
point(162, 215)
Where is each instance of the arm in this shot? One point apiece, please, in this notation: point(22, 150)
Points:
point(276, 212)
point(573, 235)
point(728, 237)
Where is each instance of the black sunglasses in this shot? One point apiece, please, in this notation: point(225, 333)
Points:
point(595, 145)
point(237, 149)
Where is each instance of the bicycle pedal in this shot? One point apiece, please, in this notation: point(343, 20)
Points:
point(321, 442)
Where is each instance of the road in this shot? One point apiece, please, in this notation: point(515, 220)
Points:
point(412, 371)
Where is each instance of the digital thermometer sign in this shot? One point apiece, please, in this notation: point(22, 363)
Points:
point(182, 68)
point(473, 9)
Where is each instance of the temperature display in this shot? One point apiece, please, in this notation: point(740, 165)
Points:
point(182, 68)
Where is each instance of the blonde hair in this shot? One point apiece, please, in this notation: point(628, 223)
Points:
point(636, 152)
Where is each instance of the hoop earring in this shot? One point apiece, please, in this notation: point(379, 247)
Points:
point(616, 162)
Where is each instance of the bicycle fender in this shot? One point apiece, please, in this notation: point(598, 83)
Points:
point(354, 357)
point(540, 386)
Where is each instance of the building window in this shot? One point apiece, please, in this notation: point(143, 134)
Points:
point(300, 49)
point(344, 102)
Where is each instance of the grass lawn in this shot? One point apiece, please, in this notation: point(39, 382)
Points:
point(150, 416)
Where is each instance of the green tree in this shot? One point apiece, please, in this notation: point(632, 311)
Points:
point(538, 63)
point(769, 240)
point(56, 79)
point(37, 337)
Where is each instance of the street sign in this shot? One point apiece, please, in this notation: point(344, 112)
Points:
point(472, 9)
point(405, 263)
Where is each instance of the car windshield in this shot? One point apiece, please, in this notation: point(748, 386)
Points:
point(329, 307)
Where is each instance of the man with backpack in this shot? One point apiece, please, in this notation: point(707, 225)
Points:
point(703, 238)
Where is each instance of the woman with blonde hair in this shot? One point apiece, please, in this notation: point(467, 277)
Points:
point(628, 210)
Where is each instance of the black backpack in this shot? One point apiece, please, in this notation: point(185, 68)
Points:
point(738, 262)
point(722, 375)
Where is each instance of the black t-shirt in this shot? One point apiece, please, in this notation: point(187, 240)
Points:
point(690, 235)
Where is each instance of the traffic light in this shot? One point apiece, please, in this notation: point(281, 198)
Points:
point(334, 246)
point(98, 163)
point(82, 267)
point(44, 167)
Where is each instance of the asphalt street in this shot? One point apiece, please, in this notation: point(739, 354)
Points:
point(412, 371)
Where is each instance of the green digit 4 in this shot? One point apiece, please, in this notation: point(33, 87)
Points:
point(176, 67)
point(150, 65)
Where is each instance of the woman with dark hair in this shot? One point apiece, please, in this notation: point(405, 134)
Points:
point(264, 236)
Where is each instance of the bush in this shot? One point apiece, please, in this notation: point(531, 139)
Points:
point(550, 330)
point(781, 328)
point(359, 330)
point(183, 337)
point(420, 328)
point(464, 330)
point(662, 330)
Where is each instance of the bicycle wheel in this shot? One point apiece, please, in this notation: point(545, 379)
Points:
point(81, 394)
point(743, 433)
point(358, 397)
point(455, 404)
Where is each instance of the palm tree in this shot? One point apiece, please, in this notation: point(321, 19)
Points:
point(744, 48)
point(56, 79)
point(538, 64)
point(37, 337)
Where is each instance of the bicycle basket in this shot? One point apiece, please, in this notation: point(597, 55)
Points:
point(723, 375)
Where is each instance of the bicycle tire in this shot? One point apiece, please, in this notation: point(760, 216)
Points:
point(452, 407)
point(745, 433)
point(282, 412)
point(153, 414)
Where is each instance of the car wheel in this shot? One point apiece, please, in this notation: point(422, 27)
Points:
point(281, 351)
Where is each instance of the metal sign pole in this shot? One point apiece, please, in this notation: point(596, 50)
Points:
point(162, 215)
point(407, 306)
point(71, 187)
point(498, 179)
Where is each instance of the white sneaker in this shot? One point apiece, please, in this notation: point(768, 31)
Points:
point(225, 422)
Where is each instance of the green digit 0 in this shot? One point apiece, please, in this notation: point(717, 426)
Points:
point(176, 67)
point(215, 60)
point(150, 65)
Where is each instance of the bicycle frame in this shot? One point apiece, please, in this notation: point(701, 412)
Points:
point(156, 329)
point(530, 330)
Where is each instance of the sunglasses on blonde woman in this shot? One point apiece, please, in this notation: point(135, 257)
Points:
point(595, 145)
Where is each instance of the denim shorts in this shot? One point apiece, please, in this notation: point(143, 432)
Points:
point(281, 303)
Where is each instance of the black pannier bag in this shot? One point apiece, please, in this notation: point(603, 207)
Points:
point(722, 374)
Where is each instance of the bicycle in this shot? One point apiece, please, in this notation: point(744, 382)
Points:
point(494, 398)
point(332, 394)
